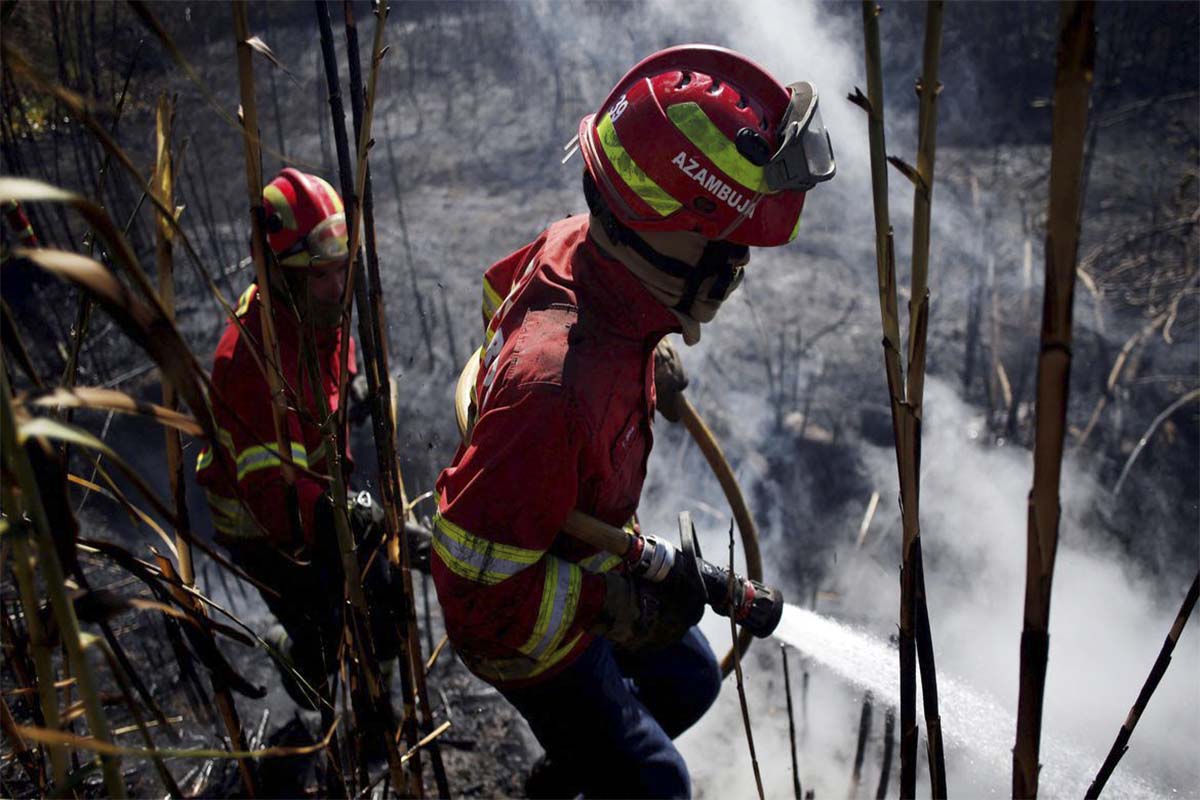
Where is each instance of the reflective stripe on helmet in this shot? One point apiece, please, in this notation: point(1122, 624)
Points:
point(634, 176)
point(280, 206)
point(693, 123)
point(478, 559)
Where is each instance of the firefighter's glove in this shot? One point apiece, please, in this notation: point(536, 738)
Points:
point(669, 380)
point(360, 395)
point(420, 545)
point(641, 615)
point(366, 520)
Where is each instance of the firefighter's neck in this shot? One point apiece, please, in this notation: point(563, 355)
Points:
point(667, 289)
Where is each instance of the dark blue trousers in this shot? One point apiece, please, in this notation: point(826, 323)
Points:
point(609, 718)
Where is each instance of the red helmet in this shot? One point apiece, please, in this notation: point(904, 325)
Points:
point(700, 138)
point(306, 225)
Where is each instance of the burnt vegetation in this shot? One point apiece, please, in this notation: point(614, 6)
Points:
point(133, 662)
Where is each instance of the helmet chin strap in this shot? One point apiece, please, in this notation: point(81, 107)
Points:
point(717, 261)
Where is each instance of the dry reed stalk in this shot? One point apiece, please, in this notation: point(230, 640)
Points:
point(55, 581)
point(29, 762)
point(118, 667)
point(1073, 80)
point(258, 250)
point(889, 315)
point(860, 750)
point(1121, 745)
point(43, 663)
point(376, 690)
point(221, 692)
point(889, 744)
point(1178, 403)
point(737, 666)
point(163, 184)
point(797, 789)
point(373, 317)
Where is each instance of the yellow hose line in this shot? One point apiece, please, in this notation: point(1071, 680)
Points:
point(707, 442)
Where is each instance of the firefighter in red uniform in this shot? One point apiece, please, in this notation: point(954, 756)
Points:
point(696, 154)
point(244, 480)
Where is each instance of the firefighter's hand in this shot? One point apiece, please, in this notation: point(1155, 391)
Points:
point(366, 519)
point(420, 545)
point(641, 615)
point(359, 393)
point(669, 380)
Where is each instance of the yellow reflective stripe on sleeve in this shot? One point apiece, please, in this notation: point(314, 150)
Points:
point(693, 123)
point(205, 459)
point(600, 562)
point(259, 457)
point(560, 598)
point(478, 559)
point(491, 300)
point(796, 228)
point(634, 176)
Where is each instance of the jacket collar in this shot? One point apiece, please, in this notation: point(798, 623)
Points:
point(620, 300)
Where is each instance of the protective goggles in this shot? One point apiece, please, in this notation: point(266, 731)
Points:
point(326, 244)
point(805, 154)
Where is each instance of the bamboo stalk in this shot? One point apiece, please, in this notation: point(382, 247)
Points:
point(1076, 54)
point(1121, 745)
point(797, 789)
point(55, 581)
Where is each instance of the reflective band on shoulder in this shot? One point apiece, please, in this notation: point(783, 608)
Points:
point(280, 206)
point(491, 300)
point(478, 559)
point(259, 457)
point(560, 598)
point(693, 123)
point(634, 176)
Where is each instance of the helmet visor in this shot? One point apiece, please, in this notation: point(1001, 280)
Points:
point(805, 154)
point(328, 243)
point(325, 245)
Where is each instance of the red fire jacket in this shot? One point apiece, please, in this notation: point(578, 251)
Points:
point(565, 399)
point(243, 479)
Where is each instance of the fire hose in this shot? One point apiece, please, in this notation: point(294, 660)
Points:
point(754, 605)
